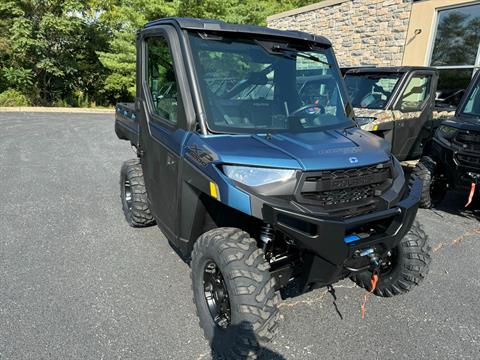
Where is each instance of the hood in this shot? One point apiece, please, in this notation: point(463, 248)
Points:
point(362, 112)
point(380, 116)
point(325, 150)
point(463, 122)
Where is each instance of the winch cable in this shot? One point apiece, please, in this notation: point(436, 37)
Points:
point(373, 286)
point(472, 190)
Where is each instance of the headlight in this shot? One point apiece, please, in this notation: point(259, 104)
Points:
point(253, 176)
point(447, 132)
point(364, 120)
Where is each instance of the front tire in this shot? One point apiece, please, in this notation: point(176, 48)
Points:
point(134, 195)
point(241, 311)
point(434, 183)
point(409, 264)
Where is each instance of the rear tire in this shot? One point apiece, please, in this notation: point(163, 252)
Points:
point(434, 183)
point(250, 314)
point(134, 195)
point(410, 263)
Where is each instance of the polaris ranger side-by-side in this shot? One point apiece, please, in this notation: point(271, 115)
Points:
point(397, 104)
point(453, 159)
point(255, 183)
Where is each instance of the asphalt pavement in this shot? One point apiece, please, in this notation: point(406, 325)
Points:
point(76, 282)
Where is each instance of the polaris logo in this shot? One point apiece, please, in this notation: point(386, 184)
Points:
point(353, 160)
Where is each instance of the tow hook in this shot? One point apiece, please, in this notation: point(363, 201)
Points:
point(473, 185)
point(374, 266)
point(373, 256)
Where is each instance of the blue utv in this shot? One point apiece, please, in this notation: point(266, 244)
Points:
point(259, 185)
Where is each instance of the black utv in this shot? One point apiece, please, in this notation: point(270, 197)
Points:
point(258, 182)
point(453, 159)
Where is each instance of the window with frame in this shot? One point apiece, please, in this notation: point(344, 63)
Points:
point(472, 105)
point(161, 79)
point(371, 90)
point(416, 93)
point(456, 51)
point(248, 85)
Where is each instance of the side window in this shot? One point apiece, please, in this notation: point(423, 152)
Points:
point(161, 79)
point(473, 103)
point(415, 94)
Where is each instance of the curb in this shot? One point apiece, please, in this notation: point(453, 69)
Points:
point(56, 110)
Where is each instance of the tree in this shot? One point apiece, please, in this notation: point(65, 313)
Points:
point(125, 17)
point(78, 52)
point(47, 44)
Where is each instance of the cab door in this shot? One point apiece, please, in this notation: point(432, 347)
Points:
point(413, 114)
point(160, 102)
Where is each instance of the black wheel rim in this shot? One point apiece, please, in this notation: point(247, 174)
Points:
point(216, 295)
point(128, 193)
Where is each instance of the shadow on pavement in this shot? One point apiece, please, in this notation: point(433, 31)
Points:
point(454, 204)
point(240, 334)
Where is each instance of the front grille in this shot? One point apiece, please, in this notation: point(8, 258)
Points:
point(343, 196)
point(469, 143)
point(345, 192)
point(468, 140)
point(468, 161)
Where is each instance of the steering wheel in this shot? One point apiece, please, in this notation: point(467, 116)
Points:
point(371, 100)
point(321, 110)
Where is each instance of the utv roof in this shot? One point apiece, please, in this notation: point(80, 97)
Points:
point(217, 25)
point(387, 69)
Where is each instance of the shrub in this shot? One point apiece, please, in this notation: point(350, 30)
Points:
point(13, 97)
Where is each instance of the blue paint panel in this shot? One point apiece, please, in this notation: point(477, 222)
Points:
point(249, 150)
point(310, 151)
point(171, 139)
point(230, 194)
point(323, 150)
point(351, 238)
point(238, 199)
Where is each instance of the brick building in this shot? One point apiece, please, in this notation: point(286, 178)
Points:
point(440, 33)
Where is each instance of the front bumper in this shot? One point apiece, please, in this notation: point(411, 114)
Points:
point(327, 241)
point(456, 164)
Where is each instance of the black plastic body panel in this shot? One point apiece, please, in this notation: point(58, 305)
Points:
point(324, 239)
point(448, 155)
point(216, 25)
point(449, 159)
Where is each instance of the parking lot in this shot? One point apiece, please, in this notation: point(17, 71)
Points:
point(77, 283)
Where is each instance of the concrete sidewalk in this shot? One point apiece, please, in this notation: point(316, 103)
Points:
point(34, 109)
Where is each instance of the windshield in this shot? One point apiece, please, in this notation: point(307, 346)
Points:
point(371, 91)
point(254, 86)
point(472, 105)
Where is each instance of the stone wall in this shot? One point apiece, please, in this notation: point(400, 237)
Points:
point(363, 32)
